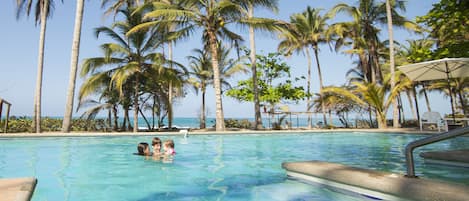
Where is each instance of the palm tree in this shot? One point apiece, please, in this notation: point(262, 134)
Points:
point(66, 124)
point(201, 70)
point(417, 51)
point(130, 57)
point(42, 12)
point(395, 118)
point(249, 6)
point(97, 84)
point(117, 5)
point(364, 33)
point(370, 94)
point(306, 31)
point(210, 15)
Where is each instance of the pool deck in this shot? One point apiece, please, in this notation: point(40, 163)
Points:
point(452, 157)
point(384, 185)
point(17, 189)
point(213, 132)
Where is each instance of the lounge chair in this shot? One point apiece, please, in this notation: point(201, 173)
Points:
point(433, 118)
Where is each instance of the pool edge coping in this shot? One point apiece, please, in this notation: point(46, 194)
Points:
point(17, 189)
point(383, 183)
point(229, 132)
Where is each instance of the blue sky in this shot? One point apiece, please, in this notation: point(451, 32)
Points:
point(19, 46)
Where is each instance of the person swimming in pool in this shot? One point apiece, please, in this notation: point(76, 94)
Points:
point(143, 149)
point(168, 147)
point(156, 143)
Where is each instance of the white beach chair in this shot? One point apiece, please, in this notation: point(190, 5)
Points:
point(432, 118)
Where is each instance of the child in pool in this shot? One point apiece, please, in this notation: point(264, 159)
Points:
point(168, 147)
point(156, 143)
point(143, 149)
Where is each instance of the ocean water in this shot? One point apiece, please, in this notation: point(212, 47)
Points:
point(193, 122)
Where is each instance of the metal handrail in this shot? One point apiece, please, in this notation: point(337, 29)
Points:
point(429, 140)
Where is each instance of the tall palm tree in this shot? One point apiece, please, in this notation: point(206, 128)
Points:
point(418, 51)
point(201, 74)
point(212, 16)
point(249, 6)
point(306, 31)
point(395, 113)
point(366, 15)
point(66, 124)
point(42, 12)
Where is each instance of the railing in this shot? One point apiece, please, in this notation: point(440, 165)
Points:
point(429, 140)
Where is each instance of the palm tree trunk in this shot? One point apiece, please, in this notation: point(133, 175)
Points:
point(220, 122)
point(381, 118)
point(395, 119)
point(66, 124)
point(202, 112)
point(323, 106)
point(135, 127)
point(426, 98)
point(414, 93)
point(252, 57)
point(126, 119)
point(40, 67)
point(411, 105)
point(116, 122)
point(170, 90)
point(308, 90)
point(109, 118)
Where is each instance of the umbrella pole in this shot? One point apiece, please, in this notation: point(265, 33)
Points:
point(450, 91)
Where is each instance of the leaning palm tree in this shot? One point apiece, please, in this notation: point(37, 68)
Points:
point(66, 124)
point(306, 31)
point(213, 17)
point(372, 95)
point(42, 12)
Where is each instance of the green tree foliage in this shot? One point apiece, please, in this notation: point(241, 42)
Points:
point(448, 23)
point(274, 80)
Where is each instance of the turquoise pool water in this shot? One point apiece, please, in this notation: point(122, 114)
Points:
point(206, 167)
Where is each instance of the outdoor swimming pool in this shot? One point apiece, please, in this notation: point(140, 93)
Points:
point(206, 167)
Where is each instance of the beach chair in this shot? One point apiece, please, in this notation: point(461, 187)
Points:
point(432, 118)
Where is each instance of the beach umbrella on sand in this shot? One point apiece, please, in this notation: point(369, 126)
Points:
point(440, 69)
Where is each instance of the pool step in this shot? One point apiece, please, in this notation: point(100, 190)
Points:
point(383, 185)
point(17, 189)
point(454, 157)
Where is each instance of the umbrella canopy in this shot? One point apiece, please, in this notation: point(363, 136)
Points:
point(437, 70)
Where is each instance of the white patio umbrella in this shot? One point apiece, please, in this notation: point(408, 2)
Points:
point(446, 68)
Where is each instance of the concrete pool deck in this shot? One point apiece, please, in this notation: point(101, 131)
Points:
point(384, 185)
point(213, 132)
point(17, 189)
